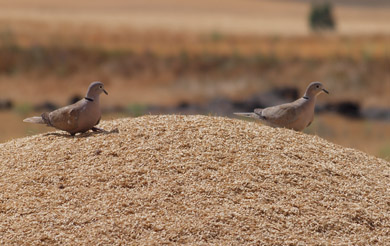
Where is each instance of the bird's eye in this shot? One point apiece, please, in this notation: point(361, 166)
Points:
point(318, 86)
point(100, 87)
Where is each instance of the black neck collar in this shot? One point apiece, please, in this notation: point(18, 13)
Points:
point(88, 99)
point(305, 97)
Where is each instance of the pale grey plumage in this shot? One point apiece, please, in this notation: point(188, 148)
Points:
point(79, 117)
point(296, 115)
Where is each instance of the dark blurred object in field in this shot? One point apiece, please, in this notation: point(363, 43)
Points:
point(267, 99)
point(354, 110)
point(321, 16)
point(225, 106)
point(274, 97)
point(376, 113)
point(46, 106)
point(49, 106)
point(6, 104)
point(74, 99)
point(346, 108)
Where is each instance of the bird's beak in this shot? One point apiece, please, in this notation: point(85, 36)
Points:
point(105, 92)
point(327, 92)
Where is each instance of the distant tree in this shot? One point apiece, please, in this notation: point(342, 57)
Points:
point(321, 16)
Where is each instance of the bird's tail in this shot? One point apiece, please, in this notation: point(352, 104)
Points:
point(247, 114)
point(35, 120)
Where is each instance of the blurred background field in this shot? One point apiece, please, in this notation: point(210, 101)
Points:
point(198, 57)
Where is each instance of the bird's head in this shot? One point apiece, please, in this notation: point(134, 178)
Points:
point(314, 89)
point(95, 89)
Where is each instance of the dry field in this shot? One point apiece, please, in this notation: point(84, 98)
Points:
point(158, 51)
point(149, 71)
point(259, 17)
point(190, 180)
point(167, 68)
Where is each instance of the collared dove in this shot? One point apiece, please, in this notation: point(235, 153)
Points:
point(295, 115)
point(80, 117)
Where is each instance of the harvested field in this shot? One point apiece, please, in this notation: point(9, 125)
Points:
point(260, 17)
point(194, 180)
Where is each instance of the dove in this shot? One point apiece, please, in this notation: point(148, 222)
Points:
point(79, 117)
point(296, 115)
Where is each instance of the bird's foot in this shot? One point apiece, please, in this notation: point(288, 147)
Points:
point(96, 129)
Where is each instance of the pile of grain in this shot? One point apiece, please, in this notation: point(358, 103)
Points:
point(190, 179)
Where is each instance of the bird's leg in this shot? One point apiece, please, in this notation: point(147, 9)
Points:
point(96, 129)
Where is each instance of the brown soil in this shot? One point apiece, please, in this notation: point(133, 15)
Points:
point(194, 180)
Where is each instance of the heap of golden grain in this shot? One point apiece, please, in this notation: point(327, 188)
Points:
point(190, 179)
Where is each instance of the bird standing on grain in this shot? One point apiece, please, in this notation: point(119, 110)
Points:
point(296, 115)
point(79, 117)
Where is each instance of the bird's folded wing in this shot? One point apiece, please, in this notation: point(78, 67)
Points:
point(65, 118)
point(281, 115)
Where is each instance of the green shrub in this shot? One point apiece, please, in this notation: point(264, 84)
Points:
point(321, 16)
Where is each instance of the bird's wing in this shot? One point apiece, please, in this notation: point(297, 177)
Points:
point(66, 118)
point(282, 115)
